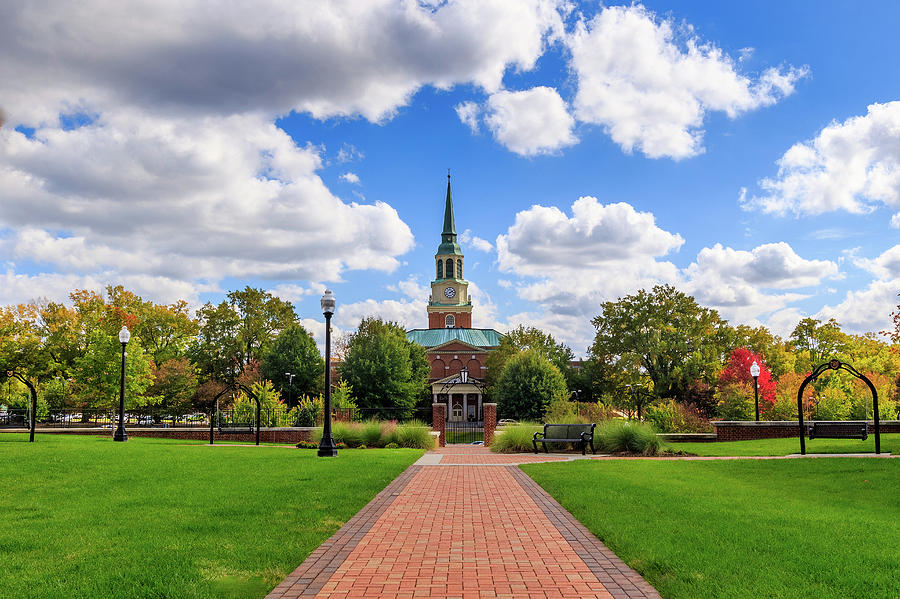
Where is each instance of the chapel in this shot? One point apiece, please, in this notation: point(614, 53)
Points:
point(456, 351)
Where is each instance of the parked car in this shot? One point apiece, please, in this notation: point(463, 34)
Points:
point(505, 421)
point(145, 420)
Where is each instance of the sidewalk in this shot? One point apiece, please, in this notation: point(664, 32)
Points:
point(464, 522)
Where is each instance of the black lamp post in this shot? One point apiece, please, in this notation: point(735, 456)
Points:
point(327, 448)
point(120, 434)
point(290, 376)
point(754, 372)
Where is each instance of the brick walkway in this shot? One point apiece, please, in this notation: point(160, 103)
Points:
point(478, 529)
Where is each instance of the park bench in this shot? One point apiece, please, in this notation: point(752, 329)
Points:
point(838, 430)
point(582, 434)
point(235, 428)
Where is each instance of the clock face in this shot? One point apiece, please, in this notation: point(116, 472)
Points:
point(449, 292)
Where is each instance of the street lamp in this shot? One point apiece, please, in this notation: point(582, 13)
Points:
point(754, 372)
point(120, 434)
point(327, 448)
point(290, 376)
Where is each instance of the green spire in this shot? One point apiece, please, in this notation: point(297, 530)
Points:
point(448, 235)
point(449, 225)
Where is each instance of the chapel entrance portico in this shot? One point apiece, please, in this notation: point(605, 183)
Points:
point(463, 396)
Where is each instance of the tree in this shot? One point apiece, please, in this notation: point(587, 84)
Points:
point(22, 352)
point(528, 385)
point(894, 335)
point(385, 370)
point(663, 334)
point(174, 385)
point(294, 351)
point(262, 316)
point(737, 370)
point(98, 372)
point(216, 349)
point(778, 354)
point(523, 339)
point(815, 343)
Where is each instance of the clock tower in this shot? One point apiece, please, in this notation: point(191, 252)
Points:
point(449, 306)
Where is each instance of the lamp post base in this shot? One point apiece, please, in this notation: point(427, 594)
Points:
point(120, 435)
point(327, 449)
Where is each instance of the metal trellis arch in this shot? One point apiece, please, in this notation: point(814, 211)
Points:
point(837, 365)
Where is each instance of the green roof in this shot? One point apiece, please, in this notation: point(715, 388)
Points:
point(435, 337)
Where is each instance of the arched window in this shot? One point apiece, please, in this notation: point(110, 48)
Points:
point(450, 321)
point(440, 273)
point(449, 268)
point(459, 268)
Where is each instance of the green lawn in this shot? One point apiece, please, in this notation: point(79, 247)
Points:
point(890, 443)
point(746, 528)
point(84, 517)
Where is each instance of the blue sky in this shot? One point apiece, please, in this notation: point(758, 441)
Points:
point(747, 153)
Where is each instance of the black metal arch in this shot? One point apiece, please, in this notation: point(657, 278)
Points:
point(835, 364)
point(462, 380)
point(33, 393)
point(247, 390)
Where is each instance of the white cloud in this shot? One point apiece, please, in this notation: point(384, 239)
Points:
point(350, 178)
point(329, 59)
point(191, 200)
point(570, 265)
point(866, 309)
point(737, 282)
point(531, 122)
point(852, 166)
point(483, 245)
point(650, 84)
point(895, 221)
point(468, 113)
point(886, 266)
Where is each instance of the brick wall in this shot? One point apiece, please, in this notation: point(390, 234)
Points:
point(266, 435)
point(779, 429)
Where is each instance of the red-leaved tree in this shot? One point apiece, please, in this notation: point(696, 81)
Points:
point(737, 370)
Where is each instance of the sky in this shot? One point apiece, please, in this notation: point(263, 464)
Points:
point(746, 153)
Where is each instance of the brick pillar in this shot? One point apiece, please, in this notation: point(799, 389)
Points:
point(439, 421)
point(490, 422)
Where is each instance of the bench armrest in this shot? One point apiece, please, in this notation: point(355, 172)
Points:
point(585, 436)
point(537, 435)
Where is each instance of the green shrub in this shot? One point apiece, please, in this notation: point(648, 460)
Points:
point(515, 438)
point(670, 416)
point(735, 401)
point(307, 445)
point(349, 433)
point(392, 446)
point(620, 436)
point(560, 411)
point(371, 433)
point(415, 434)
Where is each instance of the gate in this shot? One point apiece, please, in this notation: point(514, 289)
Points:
point(464, 431)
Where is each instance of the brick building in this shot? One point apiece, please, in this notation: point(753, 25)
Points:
point(455, 350)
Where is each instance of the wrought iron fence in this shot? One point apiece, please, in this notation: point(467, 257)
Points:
point(246, 414)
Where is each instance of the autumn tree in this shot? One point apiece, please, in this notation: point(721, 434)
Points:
point(737, 373)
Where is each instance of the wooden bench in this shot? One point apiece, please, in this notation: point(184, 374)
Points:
point(582, 434)
point(839, 430)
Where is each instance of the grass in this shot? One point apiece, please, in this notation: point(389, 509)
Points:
point(516, 438)
point(889, 443)
point(784, 528)
point(84, 517)
point(463, 436)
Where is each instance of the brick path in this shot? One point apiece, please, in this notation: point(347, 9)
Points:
point(469, 525)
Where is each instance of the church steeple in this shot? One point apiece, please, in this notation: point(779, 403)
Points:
point(448, 235)
point(449, 305)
